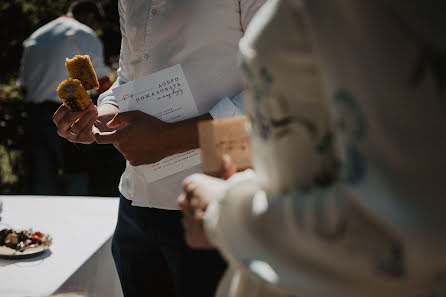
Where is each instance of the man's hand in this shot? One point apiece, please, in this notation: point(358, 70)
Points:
point(140, 137)
point(199, 190)
point(78, 126)
point(144, 139)
point(106, 112)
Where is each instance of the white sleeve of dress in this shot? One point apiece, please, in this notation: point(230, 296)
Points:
point(322, 239)
point(248, 9)
point(322, 242)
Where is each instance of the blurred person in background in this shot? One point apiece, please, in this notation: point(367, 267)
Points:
point(347, 105)
point(42, 69)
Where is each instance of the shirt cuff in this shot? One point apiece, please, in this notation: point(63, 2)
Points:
point(227, 108)
point(109, 100)
point(107, 96)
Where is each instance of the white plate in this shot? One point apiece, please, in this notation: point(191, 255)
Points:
point(6, 252)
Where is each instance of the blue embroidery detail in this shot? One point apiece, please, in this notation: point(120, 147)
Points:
point(356, 170)
point(325, 143)
point(343, 97)
point(355, 165)
point(263, 126)
point(252, 81)
point(266, 75)
point(245, 68)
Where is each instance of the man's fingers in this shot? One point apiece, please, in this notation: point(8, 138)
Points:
point(86, 136)
point(59, 114)
point(133, 162)
point(64, 124)
point(123, 118)
point(106, 137)
point(63, 113)
point(87, 121)
point(115, 122)
point(64, 119)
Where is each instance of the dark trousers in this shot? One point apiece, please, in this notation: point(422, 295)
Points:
point(45, 148)
point(153, 259)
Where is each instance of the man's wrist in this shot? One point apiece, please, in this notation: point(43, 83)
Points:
point(184, 135)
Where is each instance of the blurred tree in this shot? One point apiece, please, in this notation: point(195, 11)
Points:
point(19, 18)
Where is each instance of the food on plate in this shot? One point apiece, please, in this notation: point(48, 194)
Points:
point(80, 68)
point(73, 95)
point(22, 240)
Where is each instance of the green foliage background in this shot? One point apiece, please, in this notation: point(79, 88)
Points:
point(19, 18)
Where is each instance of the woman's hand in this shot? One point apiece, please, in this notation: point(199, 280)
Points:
point(198, 191)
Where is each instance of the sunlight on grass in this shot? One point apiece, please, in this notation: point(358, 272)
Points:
point(6, 173)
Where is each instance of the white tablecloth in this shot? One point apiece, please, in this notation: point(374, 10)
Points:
point(79, 260)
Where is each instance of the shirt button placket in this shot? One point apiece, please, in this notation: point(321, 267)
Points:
point(148, 32)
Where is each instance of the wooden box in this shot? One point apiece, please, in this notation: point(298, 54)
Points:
point(219, 137)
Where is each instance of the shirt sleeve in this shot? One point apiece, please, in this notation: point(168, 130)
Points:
point(228, 108)
point(123, 70)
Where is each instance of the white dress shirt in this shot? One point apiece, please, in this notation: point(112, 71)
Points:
point(202, 36)
point(43, 60)
point(378, 227)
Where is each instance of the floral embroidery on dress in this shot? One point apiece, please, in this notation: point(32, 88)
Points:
point(351, 127)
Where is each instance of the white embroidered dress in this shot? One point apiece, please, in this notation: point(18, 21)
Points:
point(349, 193)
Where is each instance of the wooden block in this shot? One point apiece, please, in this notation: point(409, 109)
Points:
point(219, 137)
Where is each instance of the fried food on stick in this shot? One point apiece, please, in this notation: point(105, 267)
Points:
point(80, 68)
point(73, 94)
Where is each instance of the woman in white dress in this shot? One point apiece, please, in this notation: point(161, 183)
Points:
point(347, 105)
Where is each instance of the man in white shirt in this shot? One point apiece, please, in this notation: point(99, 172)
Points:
point(377, 226)
point(42, 68)
point(201, 36)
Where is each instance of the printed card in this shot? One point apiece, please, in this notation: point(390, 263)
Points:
point(166, 95)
